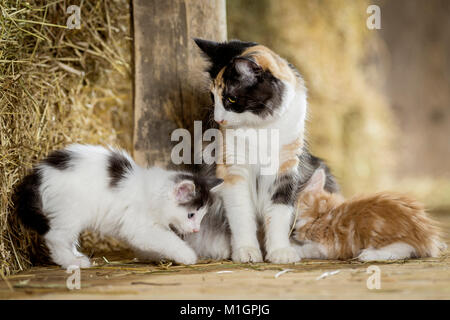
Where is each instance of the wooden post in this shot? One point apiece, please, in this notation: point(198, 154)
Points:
point(168, 88)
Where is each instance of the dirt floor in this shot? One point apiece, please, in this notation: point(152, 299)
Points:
point(116, 277)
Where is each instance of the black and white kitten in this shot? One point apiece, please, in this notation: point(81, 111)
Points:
point(92, 187)
point(254, 88)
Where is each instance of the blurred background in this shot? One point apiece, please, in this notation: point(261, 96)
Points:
point(379, 100)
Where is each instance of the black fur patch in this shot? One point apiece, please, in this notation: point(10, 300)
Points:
point(118, 166)
point(221, 53)
point(287, 187)
point(286, 190)
point(59, 159)
point(260, 94)
point(203, 185)
point(29, 203)
point(310, 163)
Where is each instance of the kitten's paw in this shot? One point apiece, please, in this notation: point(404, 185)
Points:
point(247, 254)
point(188, 257)
point(283, 255)
point(370, 255)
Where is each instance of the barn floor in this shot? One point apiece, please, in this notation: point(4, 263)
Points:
point(117, 276)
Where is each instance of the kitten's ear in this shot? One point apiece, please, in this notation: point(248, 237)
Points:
point(246, 68)
point(317, 182)
point(184, 191)
point(207, 46)
point(215, 184)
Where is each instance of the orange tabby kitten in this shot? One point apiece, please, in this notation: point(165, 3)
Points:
point(384, 226)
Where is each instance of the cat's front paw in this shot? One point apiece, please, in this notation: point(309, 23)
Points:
point(283, 255)
point(188, 257)
point(247, 254)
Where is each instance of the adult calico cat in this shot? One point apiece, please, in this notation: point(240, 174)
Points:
point(254, 88)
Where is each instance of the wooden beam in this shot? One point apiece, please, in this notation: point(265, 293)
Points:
point(169, 86)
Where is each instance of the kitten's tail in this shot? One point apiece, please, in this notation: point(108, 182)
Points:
point(28, 203)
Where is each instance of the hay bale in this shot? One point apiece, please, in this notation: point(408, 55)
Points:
point(58, 86)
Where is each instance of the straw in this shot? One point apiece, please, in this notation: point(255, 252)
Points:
point(58, 86)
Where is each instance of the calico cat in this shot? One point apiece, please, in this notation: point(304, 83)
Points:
point(92, 187)
point(254, 88)
point(383, 226)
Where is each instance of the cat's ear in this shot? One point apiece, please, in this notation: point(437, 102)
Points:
point(184, 191)
point(208, 47)
point(247, 69)
point(317, 182)
point(215, 184)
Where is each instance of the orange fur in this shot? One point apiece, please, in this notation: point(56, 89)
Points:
point(345, 227)
point(288, 165)
point(269, 60)
point(218, 81)
point(289, 155)
point(222, 168)
point(222, 173)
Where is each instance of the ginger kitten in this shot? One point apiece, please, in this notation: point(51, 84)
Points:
point(383, 226)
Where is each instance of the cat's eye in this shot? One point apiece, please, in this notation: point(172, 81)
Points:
point(191, 215)
point(231, 100)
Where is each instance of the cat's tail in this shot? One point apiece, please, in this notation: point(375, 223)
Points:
point(28, 203)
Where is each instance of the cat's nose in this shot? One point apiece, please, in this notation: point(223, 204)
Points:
point(221, 121)
point(195, 230)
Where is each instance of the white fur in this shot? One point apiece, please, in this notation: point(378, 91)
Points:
point(311, 250)
point(213, 240)
point(394, 251)
point(398, 250)
point(139, 210)
point(243, 203)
